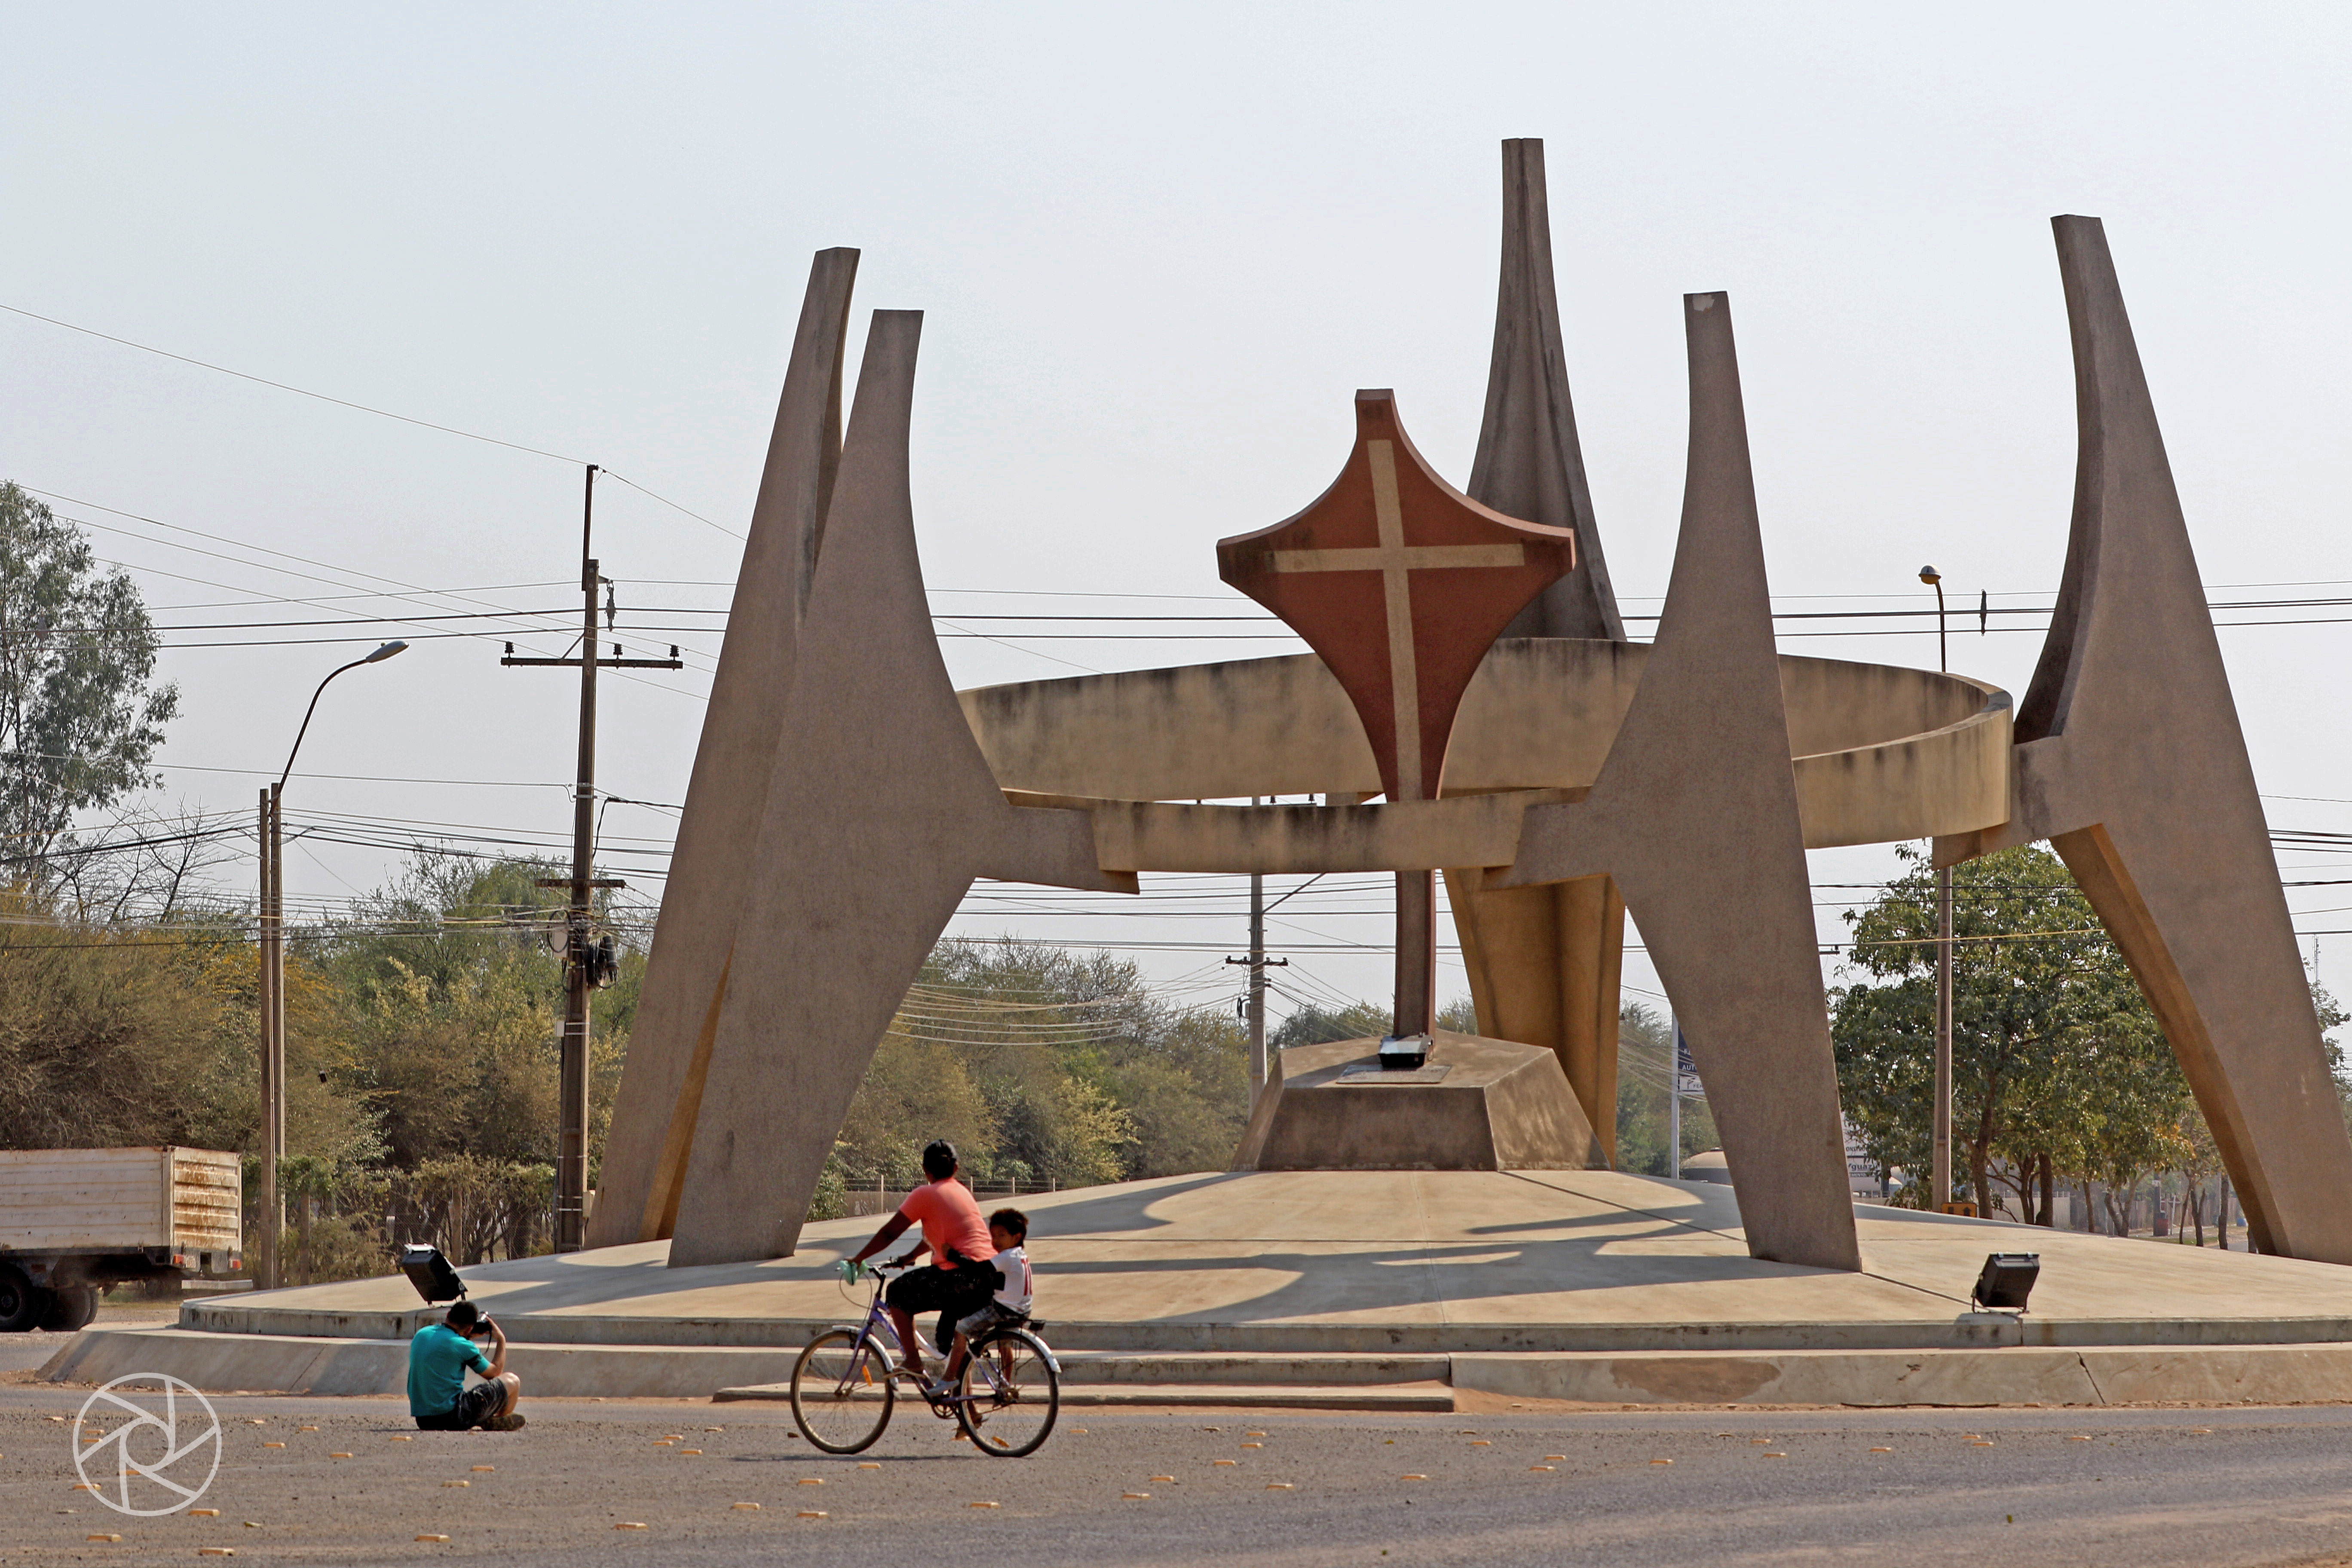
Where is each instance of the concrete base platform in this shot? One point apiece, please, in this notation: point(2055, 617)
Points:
point(1580, 1285)
point(1476, 1104)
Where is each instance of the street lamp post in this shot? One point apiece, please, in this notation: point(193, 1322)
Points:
point(273, 986)
point(1939, 1194)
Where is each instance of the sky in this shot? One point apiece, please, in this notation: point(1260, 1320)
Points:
point(1159, 248)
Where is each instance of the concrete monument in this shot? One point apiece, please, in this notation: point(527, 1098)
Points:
point(845, 796)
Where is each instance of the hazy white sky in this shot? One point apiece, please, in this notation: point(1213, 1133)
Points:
point(1159, 247)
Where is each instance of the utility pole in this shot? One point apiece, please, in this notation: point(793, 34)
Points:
point(1257, 962)
point(273, 1040)
point(1939, 1185)
point(582, 960)
point(1257, 983)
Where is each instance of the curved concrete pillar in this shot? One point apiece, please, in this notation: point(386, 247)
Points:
point(878, 813)
point(1694, 815)
point(678, 1011)
point(1530, 463)
point(1544, 961)
point(2130, 761)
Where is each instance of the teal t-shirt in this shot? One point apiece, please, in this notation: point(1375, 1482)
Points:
point(438, 1357)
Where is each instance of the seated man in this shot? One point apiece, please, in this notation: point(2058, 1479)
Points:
point(953, 1232)
point(438, 1357)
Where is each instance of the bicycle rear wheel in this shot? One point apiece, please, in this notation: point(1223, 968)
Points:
point(1010, 1393)
point(842, 1392)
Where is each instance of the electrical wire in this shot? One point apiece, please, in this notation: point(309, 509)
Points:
point(362, 408)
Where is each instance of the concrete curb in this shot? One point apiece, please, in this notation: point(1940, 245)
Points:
point(278, 1364)
point(1964, 1331)
point(2226, 1374)
point(2090, 1376)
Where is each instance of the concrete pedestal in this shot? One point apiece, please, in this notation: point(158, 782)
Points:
point(1477, 1105)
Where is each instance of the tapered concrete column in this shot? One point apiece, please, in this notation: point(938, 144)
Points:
point(1694, 815)
point(687, 973)
point(1544, 961)
point(1544, 966)
point(2129, 760)
point(878, 813)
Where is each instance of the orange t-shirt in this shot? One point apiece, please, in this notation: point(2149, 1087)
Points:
point(949, 1217)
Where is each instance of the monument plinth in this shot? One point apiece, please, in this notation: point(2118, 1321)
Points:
point(1476, 1104)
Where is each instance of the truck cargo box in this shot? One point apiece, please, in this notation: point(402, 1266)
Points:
point(183, 1203)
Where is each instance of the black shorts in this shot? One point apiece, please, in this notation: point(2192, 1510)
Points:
point(950, 1293)
point(474, 1406)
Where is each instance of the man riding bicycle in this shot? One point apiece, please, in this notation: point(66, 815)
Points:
point(960, 1282)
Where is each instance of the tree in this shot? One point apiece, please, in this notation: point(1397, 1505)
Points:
point(2058, 1066)
point(78, 718)
point(143, 1034)
point(1644, 1068)
point(450, 996)
point(1314, 1026)
point(1043, 1068)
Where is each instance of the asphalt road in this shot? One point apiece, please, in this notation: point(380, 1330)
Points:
point(2263, 1486)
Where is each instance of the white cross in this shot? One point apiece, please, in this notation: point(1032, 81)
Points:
point(1396, 562)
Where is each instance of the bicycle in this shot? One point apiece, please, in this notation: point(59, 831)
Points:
point(845, 1385)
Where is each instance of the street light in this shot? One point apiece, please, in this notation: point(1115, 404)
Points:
point(273, 986)
point(1939, 1185)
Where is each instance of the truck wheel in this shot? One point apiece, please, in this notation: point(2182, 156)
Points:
point(21, 1302)
point(70, 1308)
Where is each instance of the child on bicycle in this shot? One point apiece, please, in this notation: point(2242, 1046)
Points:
point(1009, 1230)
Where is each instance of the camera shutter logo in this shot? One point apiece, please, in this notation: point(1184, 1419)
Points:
point(156, 1452)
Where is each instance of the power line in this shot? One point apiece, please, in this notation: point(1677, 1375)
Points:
point(297, 391)
point(406, 589)
point(367, 408)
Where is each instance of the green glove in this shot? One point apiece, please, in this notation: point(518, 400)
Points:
point(850, 1270)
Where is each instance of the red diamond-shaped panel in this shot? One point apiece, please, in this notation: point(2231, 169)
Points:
point(1402, 583)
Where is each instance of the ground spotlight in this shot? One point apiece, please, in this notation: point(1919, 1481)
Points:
point(430, 1273)
point(2007, 1280)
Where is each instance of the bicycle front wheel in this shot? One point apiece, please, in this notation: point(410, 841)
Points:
point(842, 1392)
point(1010, 1393)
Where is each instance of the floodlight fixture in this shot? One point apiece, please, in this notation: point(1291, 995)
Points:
point(1404, 1053)
point(2007, 1280)
point(431, 1274)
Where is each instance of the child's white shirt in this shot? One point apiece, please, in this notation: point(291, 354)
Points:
point(1013, 1263)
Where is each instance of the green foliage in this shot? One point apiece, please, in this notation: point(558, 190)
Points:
point(1644, 1079)
point(78, 719)
point(2057, 1061)
point(114, 1036)
point(421, 1052)
point(1043, 1067)
point(1312, 1026)
point(450, 997)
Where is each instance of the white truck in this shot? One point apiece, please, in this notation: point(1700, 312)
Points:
point(75, 1221)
